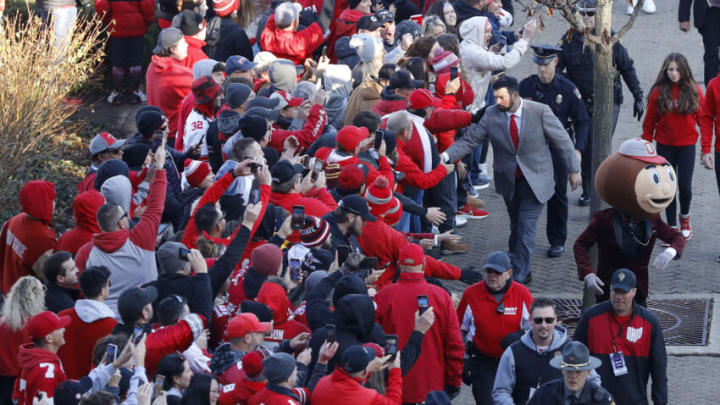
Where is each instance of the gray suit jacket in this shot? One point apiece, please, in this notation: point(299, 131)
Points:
point(540, 131)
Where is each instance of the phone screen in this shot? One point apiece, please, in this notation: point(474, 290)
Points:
point(317, 168)
point(159, 382)
point(294, 269)
point(330, 328)
point(378, 139)
point(255, 196)
point(324, 51)
point(453, 73)
point(298, 217)
point(183, 254)
point(138, 334)
point(391, 346)
point(423, 303)
point(111, 350)
point(343, 253)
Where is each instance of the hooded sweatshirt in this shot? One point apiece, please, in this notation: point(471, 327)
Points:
point(201, 68)
point(479, 62)
point(118, 190)
point(40, 370)
point(27, 237)
point(91, 320)
point(168, 82)
point(85, 207)
point(284, 327)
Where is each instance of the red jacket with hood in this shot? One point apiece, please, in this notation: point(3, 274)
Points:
point(27, 236)
point(342, 25)
point(85, 208)
point(389, 103)
point(126, 18)
point(40, 370)
point(273, 295)
point(239, 393)
point(168, 81)
point(440, 362)
point(380, 240)
point(341, 388)
point(194, 52)
point(90, 321)
point(293, 45)
point(313, 128)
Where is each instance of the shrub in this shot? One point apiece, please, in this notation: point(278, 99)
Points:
point(37, 139)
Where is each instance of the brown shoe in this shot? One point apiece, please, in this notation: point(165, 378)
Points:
point(454, 247)
point(475, 202)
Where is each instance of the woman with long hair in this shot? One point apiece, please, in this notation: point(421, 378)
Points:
point(203, 390)
point(433, 26)
point(25, 300)
point(177, 373)
point(674, 106)
point(446, 11)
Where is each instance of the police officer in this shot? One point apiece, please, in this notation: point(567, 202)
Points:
point(555, 90)
point(575, 365)
point(576, 60)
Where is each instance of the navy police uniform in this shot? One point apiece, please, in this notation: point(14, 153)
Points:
point(566, 103)
point(554, 393)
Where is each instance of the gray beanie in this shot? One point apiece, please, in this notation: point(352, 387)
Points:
point(278, 367)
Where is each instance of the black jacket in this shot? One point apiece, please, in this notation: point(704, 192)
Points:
point(58, 298)
point(553, 393)
point(233, 41)
point(465, 11)
point(699, 8)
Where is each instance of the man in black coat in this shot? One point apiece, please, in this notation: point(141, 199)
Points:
point(707, 20)
point(61, 274)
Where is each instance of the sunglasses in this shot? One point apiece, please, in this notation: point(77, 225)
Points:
point(587, 13)
point(539, 321)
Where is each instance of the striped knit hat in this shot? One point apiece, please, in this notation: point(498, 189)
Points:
point(381, 201)
point(224, 8)
point(315, 231)
point(443, 61)
point(196, 171)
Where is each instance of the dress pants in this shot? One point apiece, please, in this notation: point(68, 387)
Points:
point(483, 370)
point(557, 206)
point(524, 210)
point(443, 195)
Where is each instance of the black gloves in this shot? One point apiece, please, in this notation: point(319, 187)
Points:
point(307, 17)
point(470, 276)
point(638, 109)
point(451, 391)
point(466, 374)
point(478, 115)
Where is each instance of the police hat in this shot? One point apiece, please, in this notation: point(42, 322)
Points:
point(544, 54)
point(575, 357)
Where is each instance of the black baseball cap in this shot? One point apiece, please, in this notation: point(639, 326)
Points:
point(356, 358)
point(357, 205)
point(369, 23)
point(284, 171)
point(623, 279)
point(385, 16)
point(402, 79)
point(70, 392)
point(133, 300)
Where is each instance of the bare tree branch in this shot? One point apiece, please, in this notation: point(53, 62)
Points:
point(618, 35)
point(575, 21)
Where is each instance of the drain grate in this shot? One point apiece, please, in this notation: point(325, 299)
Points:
point(684, 322)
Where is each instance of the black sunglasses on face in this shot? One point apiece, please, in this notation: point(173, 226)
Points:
point(539, 321)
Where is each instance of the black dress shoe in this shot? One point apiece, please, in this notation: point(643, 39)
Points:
point(584, 201)
point(556, 251)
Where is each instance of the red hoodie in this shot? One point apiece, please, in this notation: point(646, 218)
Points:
point(273, 295)
point(90, 321)
point(671, 129)
point(85, 208)
point(168, 82)
point(343, 25)
point(27, 236)
point(40, 370)
point(240, 392)
point(194, 52)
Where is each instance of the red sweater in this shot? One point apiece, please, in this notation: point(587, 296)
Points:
point(490, 326)
point(711, 117)
point(671, 129)
point(340, 388)
point(440, 361)
point(12, 340)
point(168, 81)
point(81, 337)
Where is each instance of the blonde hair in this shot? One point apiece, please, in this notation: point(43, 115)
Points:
point(22, 303)
point(372, 68)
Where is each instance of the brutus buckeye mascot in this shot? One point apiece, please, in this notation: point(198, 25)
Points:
point(638, 184)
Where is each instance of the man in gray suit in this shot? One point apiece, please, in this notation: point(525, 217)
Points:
point(522, 134)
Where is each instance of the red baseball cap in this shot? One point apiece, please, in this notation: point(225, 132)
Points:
point(411, 255)
point(291, 101)
point(350, 136)
point(642, 150)
point(46, 323)
point(246, 323)
point(422, 98)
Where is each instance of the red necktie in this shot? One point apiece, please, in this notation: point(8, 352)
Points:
point(514, 131)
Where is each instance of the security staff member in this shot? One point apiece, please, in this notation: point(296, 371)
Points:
point(565, 101)
point(575, 364)
point(577, 61)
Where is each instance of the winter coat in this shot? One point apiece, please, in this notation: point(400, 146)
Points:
point(284, 327)
point(27, 237)
point(233, 41)
point(226, 364)
point(240, 392)
point(90, 321)
point(40, 370)
point(12, 339)
point(128, 254)
point(195, 51)
point(168, 81)
point(59, 298)
point(440, 361)
point(293, 45)
point(479, 62)
point(126, 18)
point(346, 54)
point(363, 98)
point(414, 176)
point(313, 128)
point(85, 207)
point(389, 102)
point(553, 393)
point(341, 388)
point(344, 25)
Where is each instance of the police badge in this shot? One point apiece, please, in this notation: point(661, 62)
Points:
point(559, 99)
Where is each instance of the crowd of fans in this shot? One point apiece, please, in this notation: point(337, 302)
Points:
point(274, 232)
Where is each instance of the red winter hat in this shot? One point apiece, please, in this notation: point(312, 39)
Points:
point(411, 255)
point(350, 136)
point(379, 351)
point(252, 364)
point(224, 8)
point(196, 171)
point(315, 231)
point(443, 61)
point(291, 101)
point(352, 177)
point(422, 98)
point(392, 216)
point(266, 259)
point(205, 89)
point(379, 193)
point(46, 323)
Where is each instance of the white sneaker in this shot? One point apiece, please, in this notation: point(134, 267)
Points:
point(630, 9)
point(111, 98)
point(649, 6)
point(460, 221)
point(140, 95)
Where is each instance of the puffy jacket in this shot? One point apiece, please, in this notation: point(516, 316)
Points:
point(389, 102)
point(128, 254)
point(440, 362)
point(343, 25)
point(341, 388)
point(90, 321)
point(126, 18)
point(40, 370)
point(284, 327)
point(85, 207)
point(363, 98)
point(168, 81)
point(313, 128)
point(293, 45)
point(380, 240)
point(27, 237)
point(479, 62)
